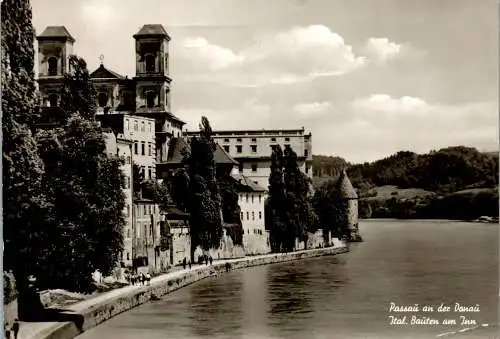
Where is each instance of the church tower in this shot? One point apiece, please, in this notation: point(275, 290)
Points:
point(55, 45)
point(153, 85)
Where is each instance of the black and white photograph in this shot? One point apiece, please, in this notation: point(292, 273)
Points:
point(250, 169)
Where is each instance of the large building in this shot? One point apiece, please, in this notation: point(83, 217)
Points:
point(252, 149)
point(147, 94)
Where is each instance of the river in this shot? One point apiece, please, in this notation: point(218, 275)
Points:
point(344, 296)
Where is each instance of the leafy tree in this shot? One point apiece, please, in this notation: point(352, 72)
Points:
point(138, 180)
point(156, 191)
point(84, 186)
point(230, 207)
point(23, 199)
point(275, 203)
point(204, 203)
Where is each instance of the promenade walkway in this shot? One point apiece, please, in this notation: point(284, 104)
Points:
point(44, 330)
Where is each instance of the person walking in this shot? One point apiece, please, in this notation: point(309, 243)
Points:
point(211, 260)
point(184, 264)
point(15, 328)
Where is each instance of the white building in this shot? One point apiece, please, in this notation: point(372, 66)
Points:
point(123, 148)
point(253, 149)
point(251, 199)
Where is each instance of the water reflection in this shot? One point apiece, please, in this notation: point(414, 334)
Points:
point(216, 307)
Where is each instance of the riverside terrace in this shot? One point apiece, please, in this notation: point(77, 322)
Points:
point(89, 313)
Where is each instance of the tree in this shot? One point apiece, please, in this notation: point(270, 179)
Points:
point(156, 191)
point(23, 200)
point(275, 204)
point(138, 179)
point(204, 204)
point(230, 207)
point(84, 186)
point(299, 215)
point(331, 209)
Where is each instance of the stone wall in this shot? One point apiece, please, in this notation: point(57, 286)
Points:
point(99, 309)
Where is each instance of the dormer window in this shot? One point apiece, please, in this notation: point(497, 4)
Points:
point(150, 99)
point(103, 99)
point(53, 98)
point(52, 66)
point(150, 63)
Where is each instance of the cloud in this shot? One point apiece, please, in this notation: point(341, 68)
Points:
point(382, 49)
point(296, 55)
point(385, 103)
point(313, 109)
point(216, 57)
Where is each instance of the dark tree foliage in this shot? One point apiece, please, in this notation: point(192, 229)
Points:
point(296, 185)
point(331, 209)
point(77, 90)
point(84, 188)
point(275, 213)
point(179, 188)
point(230, 208)
point(137, 180)
point(23, 199)
point(204, 203)
point(156, 191)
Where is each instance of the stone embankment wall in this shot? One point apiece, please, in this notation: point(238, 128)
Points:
point(94, 311)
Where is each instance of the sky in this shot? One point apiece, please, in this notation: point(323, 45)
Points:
point(367, 78)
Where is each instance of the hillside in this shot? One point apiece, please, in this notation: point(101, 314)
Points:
point(454, 183)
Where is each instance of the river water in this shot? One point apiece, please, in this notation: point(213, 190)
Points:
point(344, 296)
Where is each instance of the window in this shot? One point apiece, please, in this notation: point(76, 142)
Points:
point(52, 66)
point(248, 218)
point(254, 140)
point(238, 149)
point(273, 139)
point(287, 139)
point(143, 148)
point(240, 167)
point(149, 149)
point(260, 198)
point(136, 147)
point(226, 148)
point(103, 99)
point(260, 215)
point(128, 124)
point(307, 168)
point(254, 148)
point(150, 99)
point(149, 173)
point(145, 210)
point(241, 215)
point(128, 160)
point(128, 256)
point(53, 100)
point(150, 63)
point(136, 125)
point(142, 126)
point(226, 140)
point(252, 198)
point(254, 168)
point(149, 126)
point(306, 153)
point(246, 197)
point(238, 140)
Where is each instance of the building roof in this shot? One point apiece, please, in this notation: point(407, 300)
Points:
point(345, 187)
point(55, 32)
point(104, 73)
point(152, 30)
point(178, 147)
point(251, 132)
point(247, 184)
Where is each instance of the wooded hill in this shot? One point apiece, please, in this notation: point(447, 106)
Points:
point(454, 176)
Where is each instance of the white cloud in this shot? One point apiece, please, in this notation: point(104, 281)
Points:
point(200, 50)
point(385, 103)
point(313, 109)
point(383, 49)
point(296, 55)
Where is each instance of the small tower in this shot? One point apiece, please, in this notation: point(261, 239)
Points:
point(55, 45)
point(152, 73)
point(350, 198)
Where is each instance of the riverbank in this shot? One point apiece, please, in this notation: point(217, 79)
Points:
point(90, 313)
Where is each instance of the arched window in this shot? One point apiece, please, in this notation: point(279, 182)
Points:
point(150, 99)
point(150, 63)
point(53, 98)
point(103, 99)
point(52, 66)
